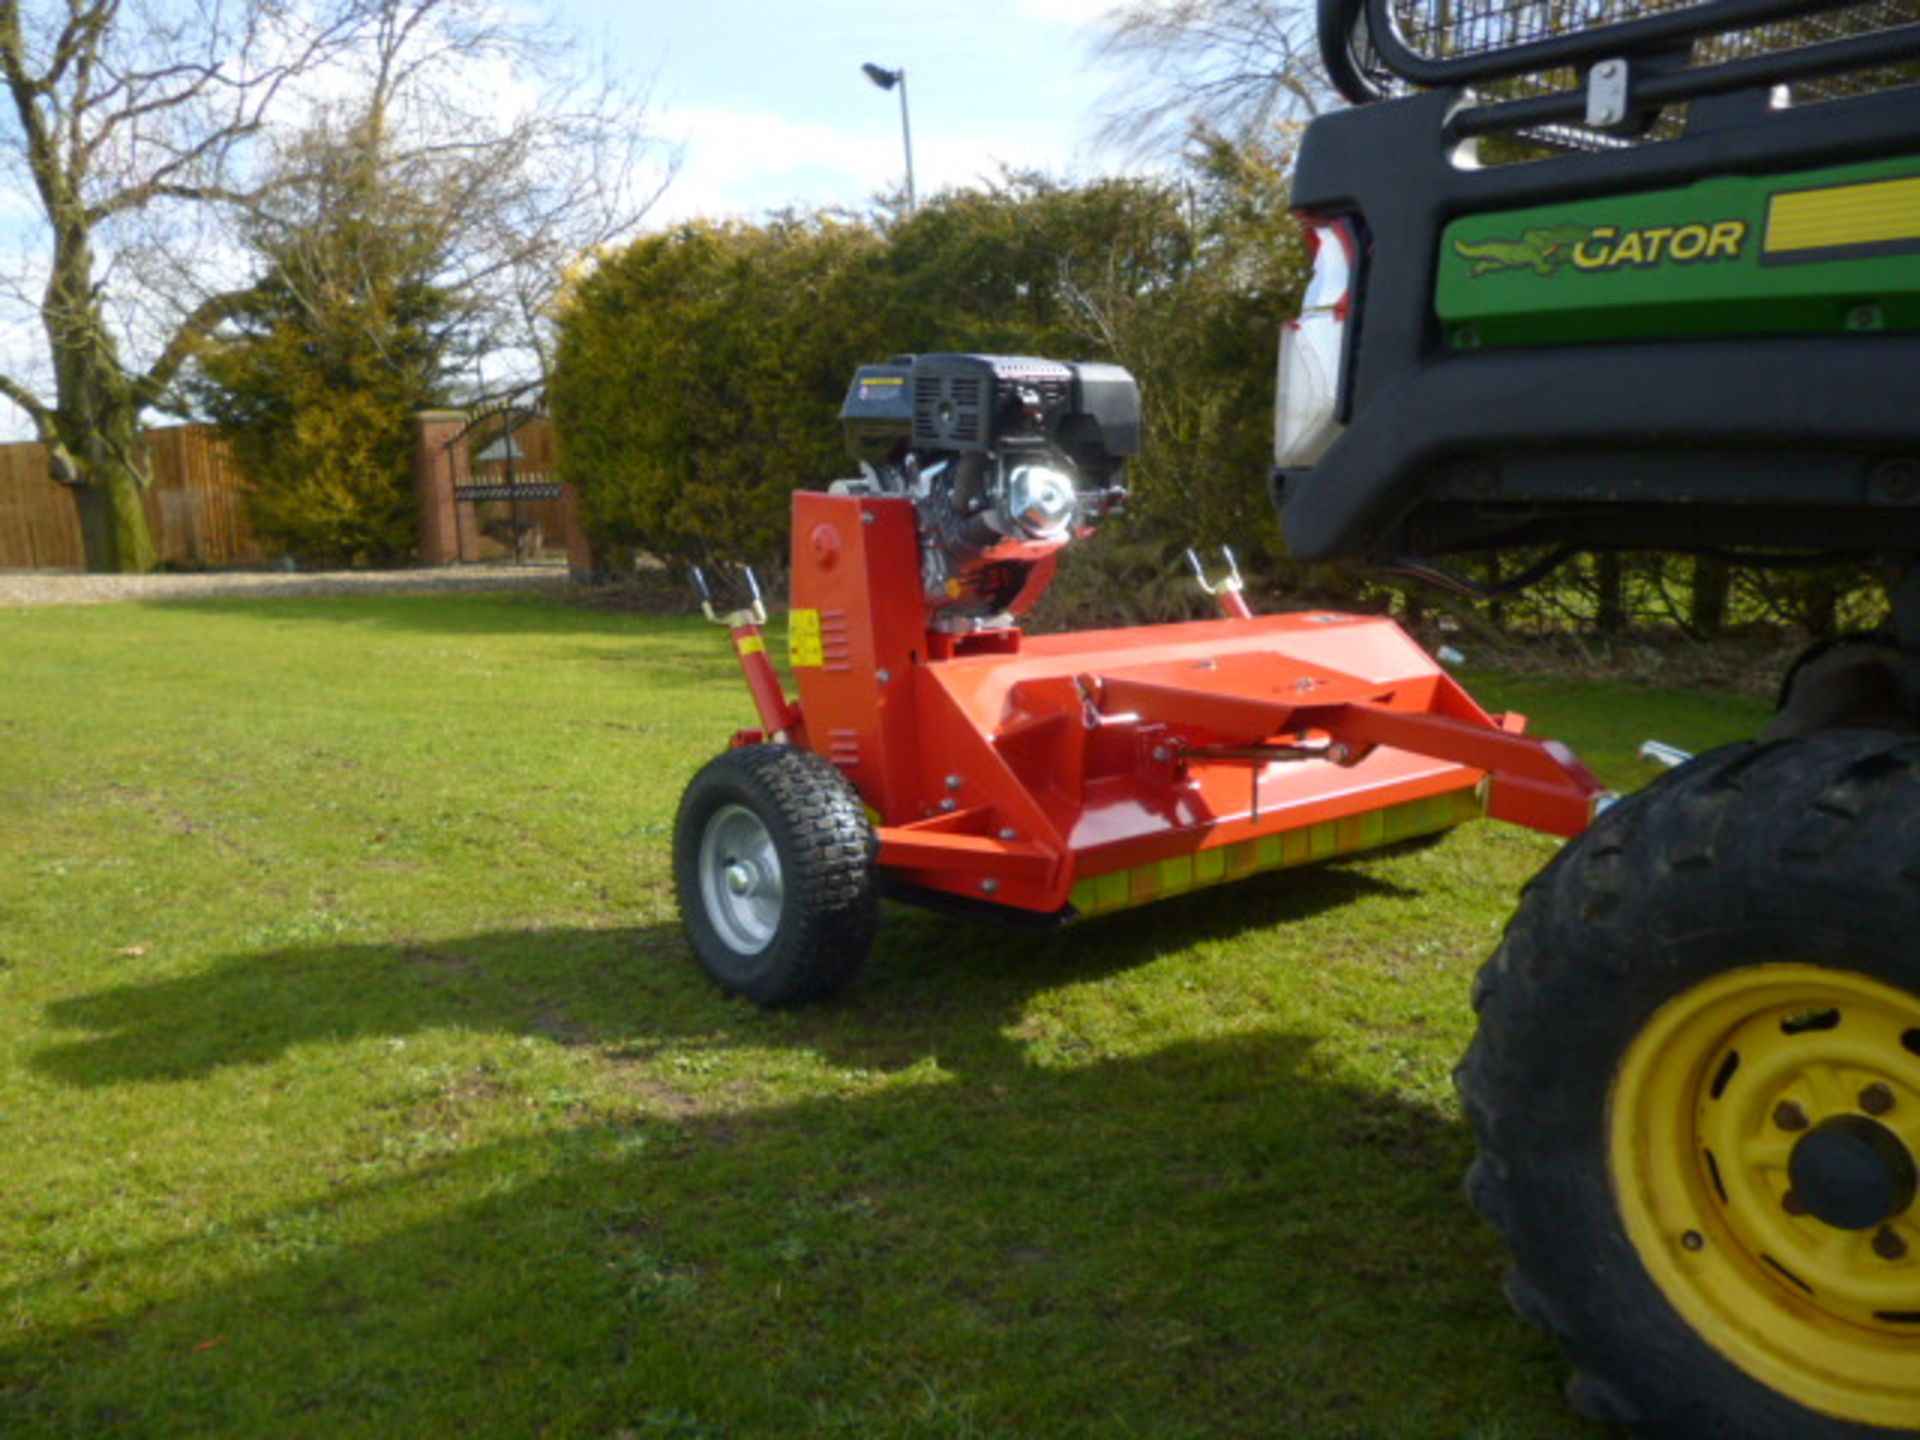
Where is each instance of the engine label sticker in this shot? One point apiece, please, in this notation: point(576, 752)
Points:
point(803, 639)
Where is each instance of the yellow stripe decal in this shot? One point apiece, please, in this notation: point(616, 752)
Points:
point(752, 645)
point(1885, 212)
point(1122, 889)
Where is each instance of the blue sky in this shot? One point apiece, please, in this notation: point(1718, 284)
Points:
point(767, 100)
point(768, 97)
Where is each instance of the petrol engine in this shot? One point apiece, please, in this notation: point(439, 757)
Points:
point(1006, 459)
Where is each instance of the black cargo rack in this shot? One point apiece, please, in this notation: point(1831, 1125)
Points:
point(1600, 70)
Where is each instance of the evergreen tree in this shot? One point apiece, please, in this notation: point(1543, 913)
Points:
point(315, 381)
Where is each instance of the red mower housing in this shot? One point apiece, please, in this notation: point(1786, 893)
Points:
point(1051, 777)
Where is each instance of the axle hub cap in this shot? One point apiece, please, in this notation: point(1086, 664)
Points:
point(1853, 1173)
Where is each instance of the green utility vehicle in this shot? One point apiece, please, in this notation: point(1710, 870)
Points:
point(1645, 274)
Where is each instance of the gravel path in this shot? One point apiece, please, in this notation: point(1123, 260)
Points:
point(40, 587)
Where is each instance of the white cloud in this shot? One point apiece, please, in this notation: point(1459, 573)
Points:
point(745, 162)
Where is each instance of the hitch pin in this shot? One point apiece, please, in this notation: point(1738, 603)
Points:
point(1227, 589)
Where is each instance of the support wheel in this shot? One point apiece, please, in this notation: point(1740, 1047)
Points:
point(1696, 1088)
point(773, 863)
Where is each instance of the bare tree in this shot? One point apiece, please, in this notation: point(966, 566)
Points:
point(119, 110)
point(483, 139)
point(149, 131)
point(1229, 67)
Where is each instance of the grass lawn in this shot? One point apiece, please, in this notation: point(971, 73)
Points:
point(356, 1081)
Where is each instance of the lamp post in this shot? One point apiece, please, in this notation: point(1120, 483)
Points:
point(886, 79)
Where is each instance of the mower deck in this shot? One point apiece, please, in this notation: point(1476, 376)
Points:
point(1079, 773)
point(1098, 750)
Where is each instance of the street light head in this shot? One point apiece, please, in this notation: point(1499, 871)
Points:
point(879, 74)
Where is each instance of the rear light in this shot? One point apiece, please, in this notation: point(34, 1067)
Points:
point(1313, 348)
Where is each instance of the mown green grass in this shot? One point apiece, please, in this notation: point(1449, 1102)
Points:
point(356, 1081)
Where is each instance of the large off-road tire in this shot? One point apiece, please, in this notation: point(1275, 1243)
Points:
point(1696, 1088)
point(773, 862)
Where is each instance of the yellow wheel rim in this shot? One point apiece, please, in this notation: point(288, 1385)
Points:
point(1710, 1121)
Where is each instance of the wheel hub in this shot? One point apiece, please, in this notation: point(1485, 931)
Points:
point(741, 885)
point(1853, 1173)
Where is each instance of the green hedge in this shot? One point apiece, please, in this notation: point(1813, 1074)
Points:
point(696, 380)
point(699, 372)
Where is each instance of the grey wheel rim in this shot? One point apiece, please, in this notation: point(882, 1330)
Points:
point(740, 881)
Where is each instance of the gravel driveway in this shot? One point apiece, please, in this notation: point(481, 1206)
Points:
point(41, 587)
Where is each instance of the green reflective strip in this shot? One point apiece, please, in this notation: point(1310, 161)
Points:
point(1413, 819)
point(1176, 875)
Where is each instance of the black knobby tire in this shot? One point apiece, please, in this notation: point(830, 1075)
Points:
point(814, 846)
point(1788, 858)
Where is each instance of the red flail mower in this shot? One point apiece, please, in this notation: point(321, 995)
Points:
point(939, 754)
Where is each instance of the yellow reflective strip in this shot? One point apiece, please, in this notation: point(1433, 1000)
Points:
point(803, 638)
point(1884, 212)
point(752, 645)
point(1157, 880)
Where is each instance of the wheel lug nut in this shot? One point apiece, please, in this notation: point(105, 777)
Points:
point(1877, 1099)
point(1888, 1245)
point(1789, 1116)
point(1793, 1204)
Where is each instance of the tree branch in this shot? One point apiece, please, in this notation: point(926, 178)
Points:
point(31, 403)
point(192, 332)
point(26, 92)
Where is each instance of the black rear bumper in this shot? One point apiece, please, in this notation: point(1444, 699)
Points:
point(1717, 442)
point(1801, 441)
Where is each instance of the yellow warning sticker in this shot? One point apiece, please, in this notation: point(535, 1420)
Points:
point(1884, 213)
point(752, 645)
point(803, 638)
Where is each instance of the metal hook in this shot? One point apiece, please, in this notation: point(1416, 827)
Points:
point(1231, 581)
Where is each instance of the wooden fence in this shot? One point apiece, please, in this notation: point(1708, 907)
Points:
point(193, 506)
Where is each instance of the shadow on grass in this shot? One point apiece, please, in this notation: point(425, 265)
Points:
point(933, 987)
point(1214, 1238)
point(1207, 1240)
